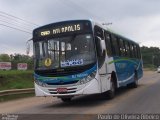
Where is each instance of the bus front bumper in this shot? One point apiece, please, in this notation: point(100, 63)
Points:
point(91, 87)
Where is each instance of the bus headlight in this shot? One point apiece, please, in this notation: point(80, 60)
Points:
point(40, 83)
point(87, 79)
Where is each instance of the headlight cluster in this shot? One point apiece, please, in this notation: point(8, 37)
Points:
point(87, 79)
point(40, 83)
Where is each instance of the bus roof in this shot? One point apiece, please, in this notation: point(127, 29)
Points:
point(93, 23)
point(113, 32)
point(67, 21)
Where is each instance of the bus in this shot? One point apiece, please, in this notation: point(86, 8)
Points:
point(81, 57)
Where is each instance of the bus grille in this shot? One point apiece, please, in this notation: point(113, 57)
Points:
point(69, 90)
point(62, 83)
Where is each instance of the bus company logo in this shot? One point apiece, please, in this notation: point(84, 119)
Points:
point(121, 65)
point(71, 63)
point(79, 76)
point(48, 62)
point(45, 33)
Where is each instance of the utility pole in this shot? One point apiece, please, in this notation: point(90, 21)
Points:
point(153, 60)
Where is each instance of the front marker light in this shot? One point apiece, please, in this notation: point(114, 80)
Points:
point(40, 83)
point(87, 79)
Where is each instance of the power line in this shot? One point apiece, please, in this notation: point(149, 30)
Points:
point(15, 21)
point(16, 28)
point(14, 25)
point(18, 18)
point(75, 6)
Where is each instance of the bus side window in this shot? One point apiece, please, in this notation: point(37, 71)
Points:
point(108, 43)
point(127, 49)
point(118, 47)
point(132, 49)
point(115, 45)
point(98, 32)
point(130, 52)
point(138, 51)
point(122, 48)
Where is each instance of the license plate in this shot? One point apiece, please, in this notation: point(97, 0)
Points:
point(61, 90)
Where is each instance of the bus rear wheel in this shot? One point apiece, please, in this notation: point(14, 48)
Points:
point(135, 82)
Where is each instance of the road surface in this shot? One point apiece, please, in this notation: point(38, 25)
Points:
point(142, 100)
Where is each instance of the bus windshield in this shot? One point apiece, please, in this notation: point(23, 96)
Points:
point(64, 52)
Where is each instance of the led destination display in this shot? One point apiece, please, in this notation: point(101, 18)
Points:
point(63, 28)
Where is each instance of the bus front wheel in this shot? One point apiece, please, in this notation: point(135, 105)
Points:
point(111, 92)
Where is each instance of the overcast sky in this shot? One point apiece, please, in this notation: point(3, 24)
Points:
point(138, 20)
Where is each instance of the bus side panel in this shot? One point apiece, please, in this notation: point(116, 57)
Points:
point(125, 70)
point(140, 70)
point(106, 79)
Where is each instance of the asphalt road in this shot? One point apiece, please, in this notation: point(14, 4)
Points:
point(142, 100)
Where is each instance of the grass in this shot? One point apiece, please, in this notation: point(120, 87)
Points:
point(15, 79)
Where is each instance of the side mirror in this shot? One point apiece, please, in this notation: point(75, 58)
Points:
point(100, 45)
point(28, 46)
point(103, 44)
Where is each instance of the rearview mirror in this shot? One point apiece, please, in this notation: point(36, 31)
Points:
point(98, 45)
point(28, 46)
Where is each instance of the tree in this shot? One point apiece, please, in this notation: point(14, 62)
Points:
point(4, 58)
point(17, 58)
point(151, 56)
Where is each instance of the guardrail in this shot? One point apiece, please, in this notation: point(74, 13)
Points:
point(16, 91)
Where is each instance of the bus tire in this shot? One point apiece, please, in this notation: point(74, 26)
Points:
point(111, 92)
point(135, 83)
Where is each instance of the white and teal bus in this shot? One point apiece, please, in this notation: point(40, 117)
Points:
point(80, 57)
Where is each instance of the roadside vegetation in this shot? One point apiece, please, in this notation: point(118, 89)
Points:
point(151, 57)
point(14, 97)
point(15, 79)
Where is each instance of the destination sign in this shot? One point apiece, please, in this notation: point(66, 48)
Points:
point(62, 29)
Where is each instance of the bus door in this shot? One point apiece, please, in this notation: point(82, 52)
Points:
point(101, 55)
